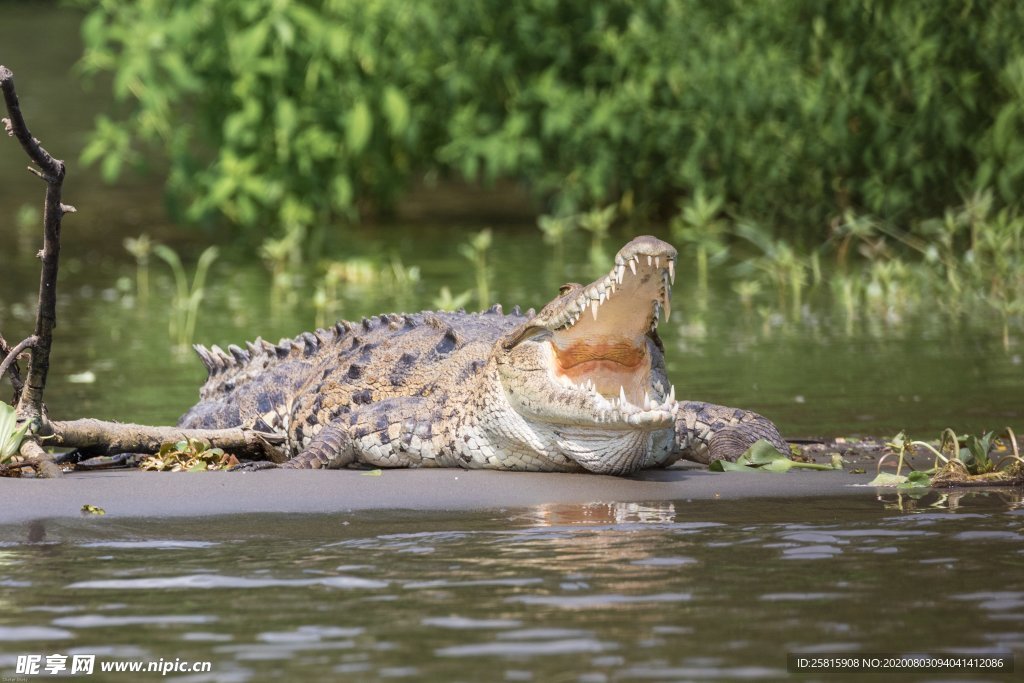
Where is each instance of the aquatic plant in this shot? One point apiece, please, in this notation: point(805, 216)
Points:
point(189, 455)
point(779, 262)
point(446, 301)
point(11, 435)
point(959, 460)
point(598, 222)
point(187, 298)
point(140, 247)
point(475, 251)
point(763, 457)
point(700, 227)
point(555, 229)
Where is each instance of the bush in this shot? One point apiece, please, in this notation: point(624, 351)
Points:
point(294, 113)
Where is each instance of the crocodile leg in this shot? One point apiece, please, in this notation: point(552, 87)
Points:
point(706, 432)
point(332, 448)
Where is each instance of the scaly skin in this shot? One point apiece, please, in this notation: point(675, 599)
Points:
point(581, 386)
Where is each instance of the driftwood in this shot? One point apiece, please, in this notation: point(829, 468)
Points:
point(97, 437)
point(90, 436)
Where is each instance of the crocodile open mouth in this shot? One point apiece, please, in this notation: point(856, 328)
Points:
point(601, 343)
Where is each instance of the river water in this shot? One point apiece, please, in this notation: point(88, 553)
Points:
point(667, 591)
point(603, 592)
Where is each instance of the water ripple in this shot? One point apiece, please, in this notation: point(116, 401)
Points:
point(468, 623)
point(19, 633)
point(595, 601)
point(222, 581)
point(524, 649)
point(103, 621)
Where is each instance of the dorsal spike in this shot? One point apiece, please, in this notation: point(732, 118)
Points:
point(310, 343)
point(239, 355)
point(340, 329)
point(206, 357)
point(410, 321)
point(495, 310)
point(461, 309)
point(530, 312)
point(283, 348)
point(254, 346)
point(367, 324)
point(516, 311)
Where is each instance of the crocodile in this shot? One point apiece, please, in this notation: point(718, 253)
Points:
point(579, 386)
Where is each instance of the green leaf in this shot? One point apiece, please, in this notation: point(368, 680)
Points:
point(359, 128)
point(726, 466)
point(916, 480)
point(761, 452)
point(11, 435)
point(373, 473)
point(198, 467)
point(780, 465)
point(887, 479)
point(396, 109)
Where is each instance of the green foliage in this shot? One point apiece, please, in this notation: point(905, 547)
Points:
point(11, 435)
point(296, 112)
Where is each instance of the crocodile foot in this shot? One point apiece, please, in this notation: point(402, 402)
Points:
point(731, 442)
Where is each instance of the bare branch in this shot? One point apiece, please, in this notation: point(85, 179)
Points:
point(13, 371)
point(30, 403)
point(10, 361)
point(42, 461)
point(17, 127)
point(110, 438)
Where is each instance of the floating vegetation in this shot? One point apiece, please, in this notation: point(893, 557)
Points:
point(964, 460)
point(88, 509)
point(191, 455)
point(763, 457)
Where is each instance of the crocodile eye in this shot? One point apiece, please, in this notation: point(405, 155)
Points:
point(568, 287)
point(531, 333)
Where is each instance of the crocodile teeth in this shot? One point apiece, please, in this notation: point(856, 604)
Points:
point(622, 396)
point(672, 394)
point(620, 272)
point(632, 265)
point(650, 259)
point(668, 306)
point(648, 405)
point(594, 305)
point(672, 271)
point(657, 262)
point(601, 297)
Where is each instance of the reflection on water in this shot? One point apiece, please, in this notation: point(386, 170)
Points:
point(662, 591)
